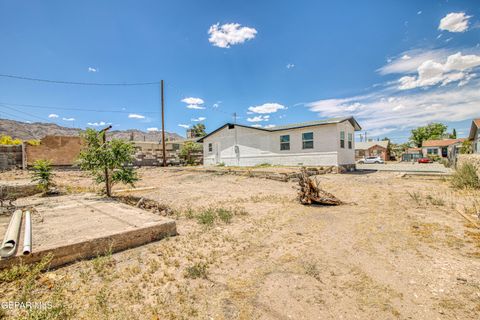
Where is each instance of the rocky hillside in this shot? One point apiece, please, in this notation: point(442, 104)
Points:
point(38, 130)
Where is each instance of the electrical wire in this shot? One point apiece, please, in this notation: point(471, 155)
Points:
point(99, 109)
point(12, 76)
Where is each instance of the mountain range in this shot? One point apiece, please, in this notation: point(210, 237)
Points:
point(38, 130)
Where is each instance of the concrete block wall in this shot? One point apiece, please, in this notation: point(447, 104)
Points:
point(11, 157)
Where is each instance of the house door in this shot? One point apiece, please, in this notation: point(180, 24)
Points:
point(444, 152)
point(217, 152)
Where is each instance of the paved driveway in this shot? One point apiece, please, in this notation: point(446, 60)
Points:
point(406, 167)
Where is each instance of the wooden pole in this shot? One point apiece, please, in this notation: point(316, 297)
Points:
point(163, 125)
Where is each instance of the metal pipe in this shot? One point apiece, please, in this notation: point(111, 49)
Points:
point(10, 241)
point(27, 240)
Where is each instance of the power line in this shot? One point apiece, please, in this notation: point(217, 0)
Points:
point(23, 112)
point(11, 76)
point(99, 109)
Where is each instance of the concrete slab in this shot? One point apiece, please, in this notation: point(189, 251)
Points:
point(76, 227)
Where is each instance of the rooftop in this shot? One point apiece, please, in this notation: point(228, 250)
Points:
point(368, 144)
point(441, 143)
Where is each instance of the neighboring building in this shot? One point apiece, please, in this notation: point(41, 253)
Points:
point(474, 136)
point(445, 148)
point(317, 143)
point(59, 150)
point(412, 154)
point(372, 148)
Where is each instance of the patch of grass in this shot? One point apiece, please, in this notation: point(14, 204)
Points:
point(415, 196)
point(103, 263)
point(465, 177)
point(206, 217)
point(435, 201)
point(225, 215)
point(198, 270)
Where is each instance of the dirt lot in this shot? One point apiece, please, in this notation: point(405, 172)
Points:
point(247, 250)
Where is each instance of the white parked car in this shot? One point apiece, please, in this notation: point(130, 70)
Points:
point(371, 160)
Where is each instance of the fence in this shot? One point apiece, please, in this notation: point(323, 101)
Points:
point(11, 157)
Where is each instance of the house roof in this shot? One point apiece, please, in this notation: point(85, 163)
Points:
point(368, 144)
point(292, 126)
point(474, 128)
point(441, 143)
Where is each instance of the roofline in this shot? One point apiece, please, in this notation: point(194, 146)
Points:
point(352, 120)
point(473, 130)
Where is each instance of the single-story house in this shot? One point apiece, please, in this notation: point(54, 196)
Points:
point(412, 154)
point(474, 135)
point(317, 143)
point(445, 148)
point(372, 148)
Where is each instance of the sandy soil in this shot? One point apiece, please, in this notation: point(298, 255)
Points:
point(397, 250)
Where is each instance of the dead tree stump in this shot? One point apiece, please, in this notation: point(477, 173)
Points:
point(310, 192)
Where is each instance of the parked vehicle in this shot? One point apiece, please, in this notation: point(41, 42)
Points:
point(425, 160)
point(370, 160)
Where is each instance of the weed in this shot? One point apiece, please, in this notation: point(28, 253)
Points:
point(416, 196)
point(311, 270)
point(101, 264)
point(206, 217)
point(435, 201)
point(225, 215)
point(198, 270)
point(465, 177)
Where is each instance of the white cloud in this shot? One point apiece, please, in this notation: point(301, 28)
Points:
point(410, 60)
point(290, 65)
point(68, 119)
point(267, 108)
point(406, 110)
point(91, 69)
point(419, 12)
point(258, 118)
point(269, 126)
point(256, 125)
point(192, 100)
point(198, 119)
point(136, 116)
point(97, 124)
point(53, 115)
point(454, 22)
point(195, 106)
point(228, 34)
point(186, 126)
point(406, 57)
point(154, 129)
point(431, 72)
point(194, 103)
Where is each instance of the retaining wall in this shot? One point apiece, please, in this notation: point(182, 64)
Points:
point(10, 157)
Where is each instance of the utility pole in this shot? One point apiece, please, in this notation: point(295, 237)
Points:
point(107, 179)
point(163, 125)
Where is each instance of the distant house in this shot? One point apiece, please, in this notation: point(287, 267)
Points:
point(445, 148)
point(372, 148)
point(412, 154)
point(474, 135)
point(318, 143)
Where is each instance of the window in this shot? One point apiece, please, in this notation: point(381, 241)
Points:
point(307, 140)
point(350, 140)
point(342, 139)
point(210, 147)
point(285, 142)
point(432, 151)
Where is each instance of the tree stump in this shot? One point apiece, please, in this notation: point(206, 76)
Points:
point(310, 192)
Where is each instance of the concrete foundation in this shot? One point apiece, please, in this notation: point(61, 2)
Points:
point(80, 227)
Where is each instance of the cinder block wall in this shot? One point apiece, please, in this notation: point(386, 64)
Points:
point(10, 157)
point(469, 158)
point(60, 150)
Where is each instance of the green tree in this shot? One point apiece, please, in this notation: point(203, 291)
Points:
point(428, 132)
point(42, 175)
point(454, 134)
point(198, 130)
point(188, 149)
point(113, 157)
point(466, 147)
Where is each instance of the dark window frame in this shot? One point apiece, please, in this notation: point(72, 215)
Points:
point(350, 140)
point(342, 139)
point(285, 145)
point(210, 147)
point(307, 143)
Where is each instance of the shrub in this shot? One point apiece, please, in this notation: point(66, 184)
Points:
point(7, 140)
point(42, 174)
point(206, 217)
point(466, 177)
point(198, 270)
point(225, 215)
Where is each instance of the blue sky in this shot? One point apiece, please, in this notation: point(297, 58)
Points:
point(393, 65)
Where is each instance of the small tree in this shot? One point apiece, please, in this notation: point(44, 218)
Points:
point(112, 157)
point(428, 132)
point(466, 147)
point(42, 175)
point(198, 130)
point(188, 148)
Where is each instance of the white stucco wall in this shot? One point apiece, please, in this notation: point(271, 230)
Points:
point(257, 147)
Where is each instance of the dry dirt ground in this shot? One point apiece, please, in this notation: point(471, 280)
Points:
point(247, 250)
